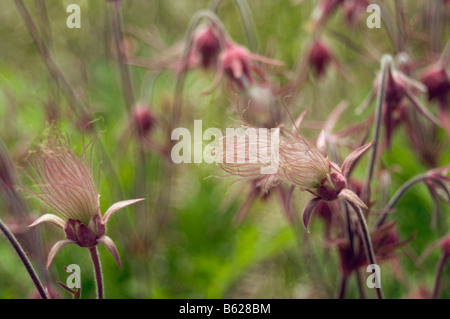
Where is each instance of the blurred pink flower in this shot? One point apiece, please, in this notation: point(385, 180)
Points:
point(237, 63)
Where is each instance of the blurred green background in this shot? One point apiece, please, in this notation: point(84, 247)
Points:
point(196, 251)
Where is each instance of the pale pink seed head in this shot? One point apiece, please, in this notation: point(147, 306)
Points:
point(298, 162)
point(65, 180)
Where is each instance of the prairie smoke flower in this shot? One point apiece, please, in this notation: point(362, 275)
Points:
point(385, 243)
point(298, 163)
point(66, 184)
point(399, 87)
point(437, 82)
point(206, 46)
point(319, 57)
point(143, 119)
point(237, 63)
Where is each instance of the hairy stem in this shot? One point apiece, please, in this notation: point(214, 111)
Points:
point(98, 271)
point(439, 270)
point(368, 247)
point(401, 191)
point(23, 257)
point(359, 282)
point(381, 95)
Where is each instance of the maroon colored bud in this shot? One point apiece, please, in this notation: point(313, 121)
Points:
point(338, 181)
point(319, 57)
point(143, 119)
point(446, 246)
point(437, 82)
point(327, 193)
point(207, 44)
point(394, 90)
point(86, 237)
point(82, 234)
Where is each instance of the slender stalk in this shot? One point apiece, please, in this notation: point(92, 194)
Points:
point(368, 247)
point(439, 270)
point(116, 22)
point(23, 257)
point(401, 191)
point(359, 282)
point(249, 25)
point(98, 271)
point(179, 83)
point(385, 69)
point(343, 286)
point(163, 200)
point(130, 100)
point(49, 61)
point(214, 5)
point(74, 100)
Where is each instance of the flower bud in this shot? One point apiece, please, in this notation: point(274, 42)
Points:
point(446, 246)
point(143, 120)
point(319, 57)
point(207, 44)
point(437, 82)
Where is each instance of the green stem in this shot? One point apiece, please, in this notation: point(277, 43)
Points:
point(249, 25)
point(26, 262)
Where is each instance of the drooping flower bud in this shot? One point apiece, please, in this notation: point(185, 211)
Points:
point(238, 64)
point(437, 82)
point(319, 57)
point(143, 119)
point(207, 45)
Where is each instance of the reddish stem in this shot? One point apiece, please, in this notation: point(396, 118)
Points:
point(98, 271)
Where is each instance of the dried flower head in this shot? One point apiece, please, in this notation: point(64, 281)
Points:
point(66, 184)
